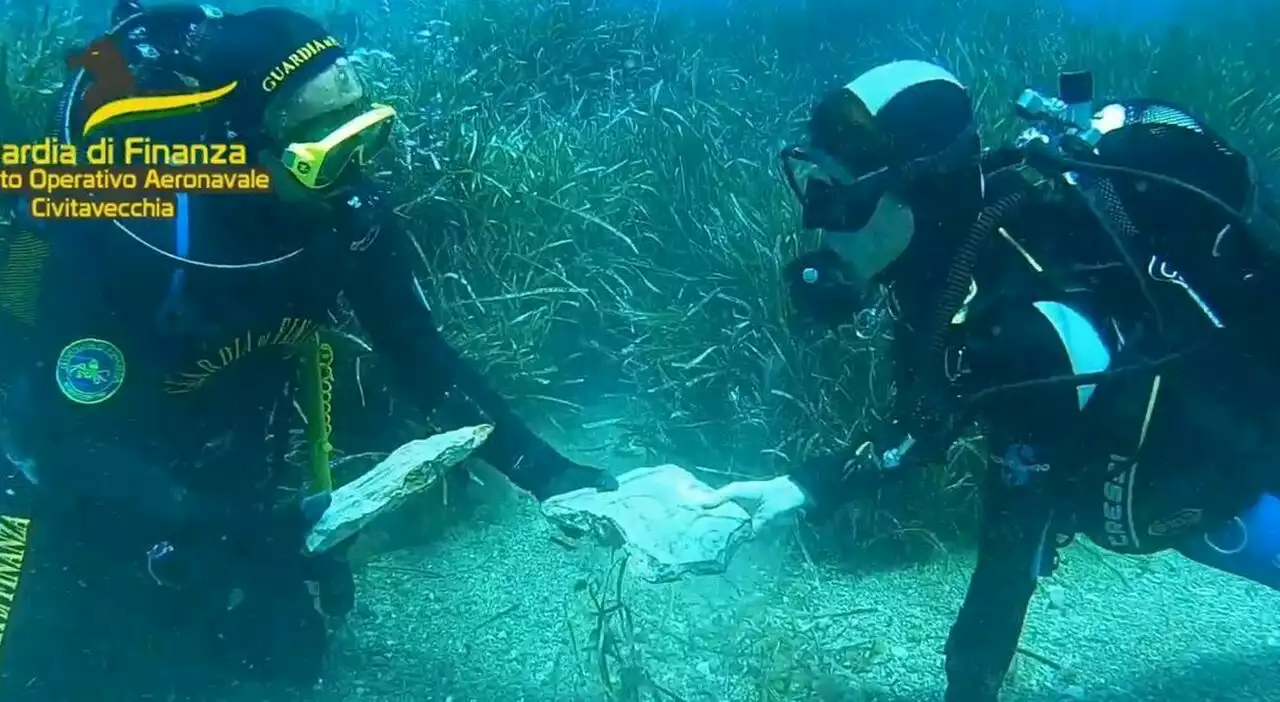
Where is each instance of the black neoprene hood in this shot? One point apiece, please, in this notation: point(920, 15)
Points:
point(268, 52)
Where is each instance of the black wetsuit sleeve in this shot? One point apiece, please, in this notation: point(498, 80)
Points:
point(77, 452)
point(77, 457)
point(1034, 440)
point(832, 480)
point(393, 312)
point(822, 479)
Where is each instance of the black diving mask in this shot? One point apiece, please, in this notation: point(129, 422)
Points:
point(822, 285)
point(834, 199)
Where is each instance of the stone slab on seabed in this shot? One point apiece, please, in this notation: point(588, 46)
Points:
point(409, 470)
point(655, 516)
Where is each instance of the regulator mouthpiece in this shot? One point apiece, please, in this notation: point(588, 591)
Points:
point(823, 289)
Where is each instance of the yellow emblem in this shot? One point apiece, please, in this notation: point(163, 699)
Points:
point(90, 371)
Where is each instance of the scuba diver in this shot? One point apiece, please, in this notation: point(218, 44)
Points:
point(1087, 296)
point(153, 528)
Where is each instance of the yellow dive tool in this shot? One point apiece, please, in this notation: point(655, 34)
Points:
point(318, 164)
point(317, 402)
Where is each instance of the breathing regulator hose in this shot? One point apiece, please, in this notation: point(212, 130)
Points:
point(930, 380)
point(956, 286)
point(955, 289)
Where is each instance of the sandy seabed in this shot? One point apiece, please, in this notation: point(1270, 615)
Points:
point(491, 613)
point(493, 610)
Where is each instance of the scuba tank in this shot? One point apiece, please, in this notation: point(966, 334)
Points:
point(1179, 204)
point(1073, 145)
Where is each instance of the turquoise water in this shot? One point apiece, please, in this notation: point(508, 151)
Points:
point(655, 146)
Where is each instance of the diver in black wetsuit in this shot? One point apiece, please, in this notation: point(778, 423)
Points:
point(165, 366)
point(1101, 321)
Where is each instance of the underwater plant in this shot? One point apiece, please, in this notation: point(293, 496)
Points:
point(592, 187)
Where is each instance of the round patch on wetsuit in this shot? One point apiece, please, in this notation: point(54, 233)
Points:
point(90, 371)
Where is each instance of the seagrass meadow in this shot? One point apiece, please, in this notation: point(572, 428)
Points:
point(594, 192)
point(594, 188)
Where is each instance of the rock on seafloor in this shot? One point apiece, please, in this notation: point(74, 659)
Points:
point(409, 469)
point(655, 515)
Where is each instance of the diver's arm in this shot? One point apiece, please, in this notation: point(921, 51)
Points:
point(822, 478)
point(1027, 349)
point(76, 453)
point(80, 453)
point(832, 480)
point(392, 310)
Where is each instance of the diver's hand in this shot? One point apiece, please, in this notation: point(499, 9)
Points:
point(243, 545)
point(278, 558)
point(331, 583)
point(572, 476)
point(282, 531)
point(766, 500)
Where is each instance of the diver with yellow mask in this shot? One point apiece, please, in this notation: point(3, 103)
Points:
point(170, 364)
point(1091, 297)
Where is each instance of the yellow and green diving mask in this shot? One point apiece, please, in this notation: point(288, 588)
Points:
point(331, 143)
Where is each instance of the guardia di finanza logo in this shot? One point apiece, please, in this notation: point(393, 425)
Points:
point(90, 371)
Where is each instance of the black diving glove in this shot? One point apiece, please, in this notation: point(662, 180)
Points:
point(569, 475)
point(833, 480)
point(257, 551)
point(281, 533)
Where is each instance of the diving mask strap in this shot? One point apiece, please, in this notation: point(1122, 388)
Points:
point(125, 9)
point(831, 167)
point(946, 160)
